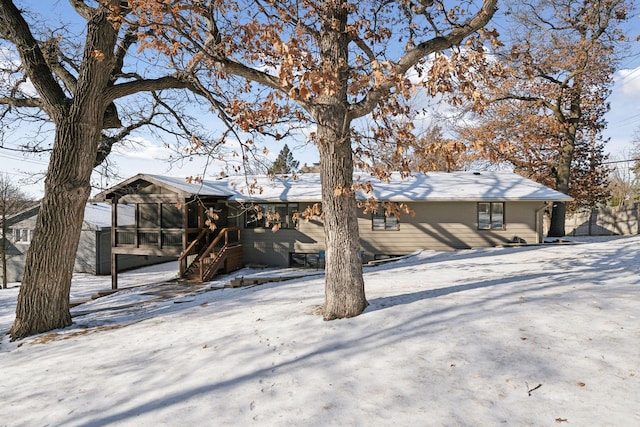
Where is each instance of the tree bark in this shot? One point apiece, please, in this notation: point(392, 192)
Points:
point(563, 172)
point(4, 249)
point(43, 302)
point(344, 287)
point(558, 216)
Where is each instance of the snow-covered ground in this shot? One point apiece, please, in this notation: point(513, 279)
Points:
point(529, 336)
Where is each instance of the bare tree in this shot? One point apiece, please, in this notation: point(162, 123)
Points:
point(634, 154)
point(77, 95)
point(623, 185)
point(548, 94)
point(329, 63)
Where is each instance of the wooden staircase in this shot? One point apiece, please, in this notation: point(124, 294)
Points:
point(224, 254)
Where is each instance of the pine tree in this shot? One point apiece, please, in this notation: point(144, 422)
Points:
point(284, 163)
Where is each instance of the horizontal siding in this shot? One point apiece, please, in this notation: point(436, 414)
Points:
point(435, 226)
point(446, 226)
point(266, 247)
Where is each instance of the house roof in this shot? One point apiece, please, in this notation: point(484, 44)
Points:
point(96, 215)
point(178, 185)
point(22, 215)
point(10, 248)
point(433, 186)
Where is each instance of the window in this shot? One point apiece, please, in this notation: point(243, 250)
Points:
point(491, 216)
point(148, 215)
point(383, 222)
point(267, 215)
point(22, 235)
point(171, 216)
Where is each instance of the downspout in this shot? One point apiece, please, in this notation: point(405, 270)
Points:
point(113, 255)
point(539, 222)
point(98, 258)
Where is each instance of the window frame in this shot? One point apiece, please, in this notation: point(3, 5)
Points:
point(387, 226)
point(22, 235)
point(492, 216)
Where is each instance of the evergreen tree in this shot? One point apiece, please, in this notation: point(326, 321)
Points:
point(284, 163)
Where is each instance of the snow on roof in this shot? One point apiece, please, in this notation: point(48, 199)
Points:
point(179, 185)
point(96, 215)
point(209, 187)
point(434, 186)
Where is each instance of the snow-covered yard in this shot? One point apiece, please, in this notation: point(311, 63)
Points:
point(530, 336)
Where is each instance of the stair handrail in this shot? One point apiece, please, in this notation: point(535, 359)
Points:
point(189, 248)
point(224, 232)
point(215, 263)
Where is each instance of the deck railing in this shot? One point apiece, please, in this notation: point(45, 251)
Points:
point(149, 237)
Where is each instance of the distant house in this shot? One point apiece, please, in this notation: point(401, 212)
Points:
point(94, 248)
point(452, 211)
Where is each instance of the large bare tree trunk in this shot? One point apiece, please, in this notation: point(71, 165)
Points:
point(80, 110)
point(563, 172)
point(344, 287)
point(559, 210)
point(43, 303)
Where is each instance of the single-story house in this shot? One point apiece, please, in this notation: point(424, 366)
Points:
point(453, 210)
point(94, 248)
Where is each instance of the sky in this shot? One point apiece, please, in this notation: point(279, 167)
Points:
point(151, 157)
point(531, 336)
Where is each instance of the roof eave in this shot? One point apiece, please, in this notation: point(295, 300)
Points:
point(108, 194)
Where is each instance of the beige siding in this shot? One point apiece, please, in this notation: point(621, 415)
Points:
point(436, 226)
point(265, 247)
point(446, 226)
point(16, 261)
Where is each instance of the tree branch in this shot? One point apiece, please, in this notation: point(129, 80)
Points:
point(548, 104)
point(130, 88)
point(415, 55)
point(82, 8)
point(51, 53)
point(21, 102)
point(129, 38)
point(17, 31)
